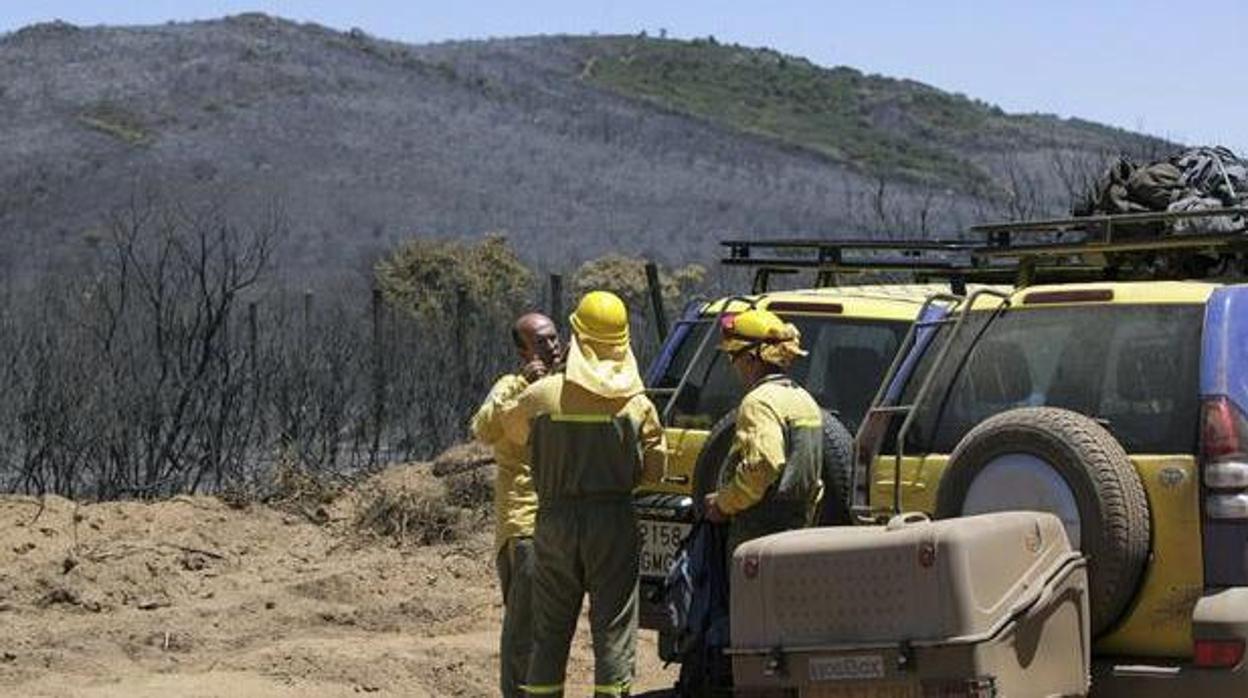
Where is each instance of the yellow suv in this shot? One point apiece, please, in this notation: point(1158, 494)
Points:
point(852, 334)
point(1119, 406)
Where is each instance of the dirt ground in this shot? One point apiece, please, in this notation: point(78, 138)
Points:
point(193, 597)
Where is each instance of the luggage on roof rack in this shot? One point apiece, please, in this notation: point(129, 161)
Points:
point(1194, 179)
point(1087, 248)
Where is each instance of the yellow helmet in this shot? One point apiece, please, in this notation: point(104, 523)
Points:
point(750, 328)
point(601, 317)
point(778, 342)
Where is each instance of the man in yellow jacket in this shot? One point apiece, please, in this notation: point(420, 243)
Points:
point(772, 482)
point(593, 436)
point(515, 502)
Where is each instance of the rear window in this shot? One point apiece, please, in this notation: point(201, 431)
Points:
point(847, 360)
point(1133, 368)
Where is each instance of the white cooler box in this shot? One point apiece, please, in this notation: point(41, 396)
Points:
point(992, 605)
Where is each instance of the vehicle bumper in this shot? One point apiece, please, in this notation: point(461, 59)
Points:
point(1219, 615)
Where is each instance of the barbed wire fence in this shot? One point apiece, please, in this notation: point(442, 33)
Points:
point(169, 362)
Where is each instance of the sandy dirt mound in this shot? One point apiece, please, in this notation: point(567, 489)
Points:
point(193, 597)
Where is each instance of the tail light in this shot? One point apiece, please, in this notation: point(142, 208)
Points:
point(1223, 442)
point(1218, 654)
point(1224, 480)
point(1227, 506)
point(1223, 430)
point(1227, 475)
point(1098, 295)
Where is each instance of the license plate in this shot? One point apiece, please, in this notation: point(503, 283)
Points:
point(659, 541)
point(883, 689)
point(848, 668)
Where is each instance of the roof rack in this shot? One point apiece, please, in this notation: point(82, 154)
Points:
point(1133, 245)
point(1125, 232)
point(1105, 223)
point(832, 258)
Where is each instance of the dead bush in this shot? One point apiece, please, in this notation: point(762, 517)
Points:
point(460, 458)
point(299, 491)
point(408, 504)
point(237, 496)
point(471, 489)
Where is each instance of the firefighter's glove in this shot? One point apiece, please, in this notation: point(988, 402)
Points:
point(711, 510)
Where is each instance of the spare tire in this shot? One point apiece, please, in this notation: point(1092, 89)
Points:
point(838, 453)
point(711, 459)
point(837, 473)
point(1055, 460)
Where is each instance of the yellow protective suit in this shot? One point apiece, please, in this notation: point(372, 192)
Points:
point(591, 445)
point(515, 502)
point(515, 515)
point(777, 453)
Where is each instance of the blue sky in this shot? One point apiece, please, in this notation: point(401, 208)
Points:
point(1158, 67)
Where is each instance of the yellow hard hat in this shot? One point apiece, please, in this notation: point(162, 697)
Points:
point(601, 317)
point(752, 328)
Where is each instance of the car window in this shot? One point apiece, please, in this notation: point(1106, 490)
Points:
point(1133, 367)
point(846, 362)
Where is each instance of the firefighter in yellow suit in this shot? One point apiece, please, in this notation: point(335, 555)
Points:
point(593, 436)
point(773, 480)
point(515, 503)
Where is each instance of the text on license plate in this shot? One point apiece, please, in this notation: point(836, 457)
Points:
point(659, 541)
point(868, 666)
point(850, 677)
point(881, 689)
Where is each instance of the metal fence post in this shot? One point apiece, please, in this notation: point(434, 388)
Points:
point(556, 298)
point(252, 339)
point(379, 399)
point(656, 300)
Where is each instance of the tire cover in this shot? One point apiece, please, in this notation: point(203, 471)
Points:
point(1113, 509)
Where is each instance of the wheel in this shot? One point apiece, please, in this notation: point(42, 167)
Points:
point(838, 454)
point(708, 469)
point(837, 472)
point(1061, 462)
point(669, 651)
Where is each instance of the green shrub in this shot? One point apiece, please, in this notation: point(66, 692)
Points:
point(116, 121)
point(433, 279)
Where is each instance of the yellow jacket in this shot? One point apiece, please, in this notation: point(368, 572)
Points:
point(556, 395)
point(515, 501)
point(758, 447)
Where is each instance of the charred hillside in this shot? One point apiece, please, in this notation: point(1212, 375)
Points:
point(573, 146)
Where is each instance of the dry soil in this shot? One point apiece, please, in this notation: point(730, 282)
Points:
point(194, 597)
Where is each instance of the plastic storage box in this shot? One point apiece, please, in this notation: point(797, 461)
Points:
point(991, 605)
